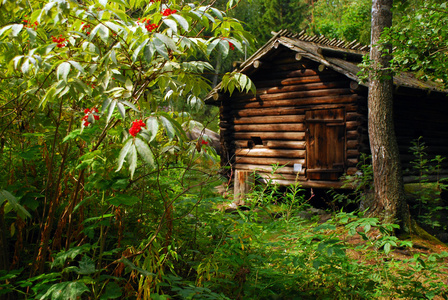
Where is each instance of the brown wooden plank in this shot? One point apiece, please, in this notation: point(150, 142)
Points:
point(352, 153)
point(241, 144)
point(299, 87)
point(280, 111)
point(281, 176)
point(352, 134)
point(286, 144)
point(353, 125)
point(270, 119)
point(243, 182)
point(286, 179)
point(295, 81)
point(355, 116)
point(263, 152)
point(352, 144)
point(293, 95)
point(351, 171)
point(272, 144)
point(298, 73)
point(265, 168)
point(269, 161)
point(295, 136)
point(352, 162)
point(291, 127)
point(335, 99)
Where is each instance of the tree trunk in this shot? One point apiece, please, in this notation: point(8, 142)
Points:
point(389, 204)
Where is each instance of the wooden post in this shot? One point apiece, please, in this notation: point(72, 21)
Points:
point(244, 181)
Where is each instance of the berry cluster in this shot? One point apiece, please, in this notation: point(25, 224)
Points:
point(136, 127)
point(204, 142)
point(86, 28)
point(148, 25)
point(168, 11)
point(59, 40)
point(87, 112)
point(231, 46)
point(28, 24)
point(152, 1)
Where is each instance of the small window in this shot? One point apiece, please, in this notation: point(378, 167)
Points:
point(256, 140)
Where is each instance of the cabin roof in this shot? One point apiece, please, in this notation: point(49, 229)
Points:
point(341, 56)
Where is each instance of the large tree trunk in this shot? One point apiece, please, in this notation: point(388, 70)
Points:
point(390, 204)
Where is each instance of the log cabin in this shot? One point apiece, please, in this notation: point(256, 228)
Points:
point(309, 113)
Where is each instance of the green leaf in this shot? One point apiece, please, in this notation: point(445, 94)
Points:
point(171, 24)
point(224, 47)
point(144, 151)
point(63, 256)
point(113, 56)
point(77, 65)
point(181, 20)
point(121, 109)
point(86, 266)
point(72, 135)
point(169, 129)
point(152, 126)
point(166, 40)
point(123, 199)
point(49, 96)
point(123, 153)
point(138, 49)
point(103, 3)
point(63, 70)
point(149, 52)
point(25, 66)
point(6, 196)
point(212, 45)
point(218, 13)
point(102, 31)
point(161, 48)
point(128, 84)
point(128, 263)
point(16, 28)
point(112, 105)
point(4, 29)
point(113, 291)
point(127, 103)
point(325, 227)
point(65, 291)
point(132, 159)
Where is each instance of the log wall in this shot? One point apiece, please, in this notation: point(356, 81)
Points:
point(270, 127)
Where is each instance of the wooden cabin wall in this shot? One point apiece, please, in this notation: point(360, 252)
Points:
point(258, 131)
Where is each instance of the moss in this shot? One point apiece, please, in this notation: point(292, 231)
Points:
point(421, 233)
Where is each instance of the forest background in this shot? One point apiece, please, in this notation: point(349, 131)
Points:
point(103, 196)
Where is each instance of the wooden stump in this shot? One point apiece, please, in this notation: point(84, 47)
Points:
point(244, 181)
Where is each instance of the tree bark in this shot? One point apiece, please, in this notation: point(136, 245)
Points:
point(389, 202)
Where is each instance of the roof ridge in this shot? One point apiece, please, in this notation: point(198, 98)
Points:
point(323, 40)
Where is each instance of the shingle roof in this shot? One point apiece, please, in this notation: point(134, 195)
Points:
point(339, 55)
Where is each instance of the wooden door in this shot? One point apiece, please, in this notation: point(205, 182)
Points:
point(325, 143)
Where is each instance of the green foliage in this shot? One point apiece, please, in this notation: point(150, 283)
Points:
point(427, 206)
point(96, 98)
point(342, 19)
point(284, 258)
point(361, 182)
point(419, 37)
